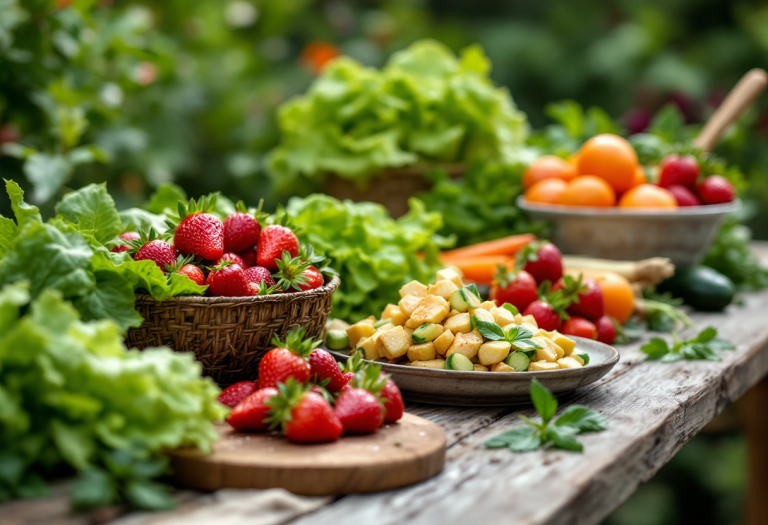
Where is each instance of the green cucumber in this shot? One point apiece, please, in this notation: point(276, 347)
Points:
point(381, 322)
point(459, 362)
point(700, 287)
point(426, 333)
point(458, 303)
point(337, 340)
point(518, 360)
point(472, 299)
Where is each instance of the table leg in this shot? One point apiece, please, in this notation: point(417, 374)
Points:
point(755, 424)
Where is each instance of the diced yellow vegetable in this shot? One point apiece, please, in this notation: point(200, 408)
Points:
point(432, 363)
point(432, 309)
point(567, 344)
point(493, 352)
point(546, 352)
point(502, 367)
point(425, 352)
point(529, 320)
point(385, 327)
point(481, 368)
point(466, 344)
point(442, 288)
point(359, 330)
point(409, 303)
point(502, 316)
point(369, 346)
point(543, 333)
point(389, 311)
point(443, 343)
point(449, 274)
point(460, 323)
point(568, 362)
point(487, 305)
point(413, 288)
point(540, 366)
point(483, 315)
point(452, 313)
point(413, 324)
point(336, 324)
point(398, 319)
point(577, 358)
point(409, 331)
point(394, 343)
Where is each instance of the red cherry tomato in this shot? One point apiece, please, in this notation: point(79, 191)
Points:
point(676, 169)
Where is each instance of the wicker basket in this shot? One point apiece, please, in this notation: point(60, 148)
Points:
point(229, 335)
point(391, 188)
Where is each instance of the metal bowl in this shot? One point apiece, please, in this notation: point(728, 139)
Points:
point(682, 235)
point(454, 388)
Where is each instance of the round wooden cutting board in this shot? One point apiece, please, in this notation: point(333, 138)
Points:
point(407, 452)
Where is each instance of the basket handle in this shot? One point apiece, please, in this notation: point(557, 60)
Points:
point(741, 98)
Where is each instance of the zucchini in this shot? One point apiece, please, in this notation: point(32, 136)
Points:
point(458, 303)
point(337, 340)
point(471, 298)
point(426, 333)
point(381, 322)
point(459, 362)
point(700, 287)
point(518, 360)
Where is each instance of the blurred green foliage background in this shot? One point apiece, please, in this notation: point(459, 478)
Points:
point(138, 93)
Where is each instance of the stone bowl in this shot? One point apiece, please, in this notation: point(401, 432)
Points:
point(682, 235)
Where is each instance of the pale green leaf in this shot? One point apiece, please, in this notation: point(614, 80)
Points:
point(92, 210)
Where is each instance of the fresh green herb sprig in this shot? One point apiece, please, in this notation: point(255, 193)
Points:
point(518, 336)
point(557, 433)
point(704, 346)
point(662, 312)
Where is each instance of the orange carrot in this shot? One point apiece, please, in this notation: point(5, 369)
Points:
point(480, 269)
point(508, 246)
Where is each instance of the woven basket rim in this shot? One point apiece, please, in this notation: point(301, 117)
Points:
point(327, 289)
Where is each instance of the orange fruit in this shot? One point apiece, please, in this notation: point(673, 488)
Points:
point(618, 296)
point(648, 196)
point(548, 167)
point(640, 176)
point(573, 158)
point(611, 158)
point(588, 190)
point(546, 190)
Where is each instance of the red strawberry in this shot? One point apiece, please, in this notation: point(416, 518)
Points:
point(234, 259)
point(683, 196)
point(199, 233)
point(254, 289)
point(251, 413)
point(606, 330)
point(314, 279)
point(676, 169)
point(273, 241)
point(359, 408)
point(716, 190)
point(394, 405)
point(546, 316)
point(542, 260)
point(228, 280)
point(305, 417)
point(585, 296)
point(127, 236)
point(249, 257)
point(580, 327)
point(233, 394)
point(241, 230)
point(257, 274)
point(159, 251)
point(194, 273)
point(347, 379)
point(324, 367)
point(288, 359)
point(515, 288)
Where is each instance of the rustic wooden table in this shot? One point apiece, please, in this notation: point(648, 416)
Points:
point(653, 409)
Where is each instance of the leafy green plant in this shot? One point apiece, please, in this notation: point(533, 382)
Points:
point(731, 255)
point(557, 433)
point(424, 106)
point(73, 398)
point(705, 345)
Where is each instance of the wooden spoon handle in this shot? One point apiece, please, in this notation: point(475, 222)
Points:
point(741, 97)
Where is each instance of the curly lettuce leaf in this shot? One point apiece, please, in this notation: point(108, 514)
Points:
point(92, 210)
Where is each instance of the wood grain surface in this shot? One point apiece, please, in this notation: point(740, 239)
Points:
point(398, 455)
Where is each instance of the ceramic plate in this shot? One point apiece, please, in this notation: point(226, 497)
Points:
point(450, 387)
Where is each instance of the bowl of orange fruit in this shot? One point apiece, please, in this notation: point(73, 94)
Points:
point(603, 204)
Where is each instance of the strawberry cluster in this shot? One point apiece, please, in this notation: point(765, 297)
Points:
point(536, 286)
point(303, 392)
point(235, 258)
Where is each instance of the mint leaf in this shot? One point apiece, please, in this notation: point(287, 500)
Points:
point(510, 308)
point(487, 329)
point(520, 439)
point(564, 437)
point(543, 400)
point(655, 348)
point(705, 345)
point(521, 338)
point(582, 418)
point(585, 358)
point(705, 335)
point(92, 210)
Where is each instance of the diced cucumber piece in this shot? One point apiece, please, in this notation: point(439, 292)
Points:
point(458, 303)
point(337, 340)
point(459, 362)
point(426, 333)
point(381, 322)
point(585, 358)
point(518, 360)
point(473, 300)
